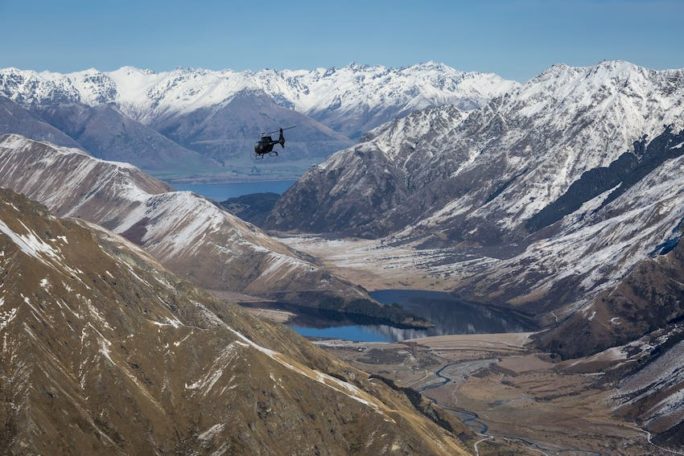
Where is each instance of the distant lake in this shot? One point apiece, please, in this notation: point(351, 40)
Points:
point(221, 191)
point(357, 333)
point(449, 314)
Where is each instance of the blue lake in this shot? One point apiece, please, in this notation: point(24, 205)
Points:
point(221, 191)
point(358, 333)
point(449, 314)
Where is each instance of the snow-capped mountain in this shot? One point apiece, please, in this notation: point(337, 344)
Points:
point(220, 113)
point(370, 94)
point(106, 352)
point(484, 176)
point(357, 190)
point(187, 233)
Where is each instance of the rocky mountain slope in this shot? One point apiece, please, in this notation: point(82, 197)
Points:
point(650, 297)
point(564, 266)
point(357, 191)
point(220, 113)
point(187, 233)
point(105, 352)
point(482, 177)
point(638, 327)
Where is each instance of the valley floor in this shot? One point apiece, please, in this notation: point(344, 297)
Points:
point(510, 395)
point(376, 265)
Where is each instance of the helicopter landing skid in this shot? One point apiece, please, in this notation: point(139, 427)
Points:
point(262, 156)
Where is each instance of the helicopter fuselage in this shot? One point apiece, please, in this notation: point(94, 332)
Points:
point(265, 144)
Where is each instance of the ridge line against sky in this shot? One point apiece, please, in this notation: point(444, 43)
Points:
point(516, 39)
point(231, 70)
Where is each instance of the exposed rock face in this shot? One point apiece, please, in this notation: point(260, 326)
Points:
point(221, 113)
point(187, 233)
point(105, 352)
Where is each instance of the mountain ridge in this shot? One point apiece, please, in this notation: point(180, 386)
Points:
point(201, 109)
point(187, 233)
point(528, 140)
point(106, 352)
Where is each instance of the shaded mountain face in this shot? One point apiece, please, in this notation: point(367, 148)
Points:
point(221, 113)
point(110, 135)
point(253, 208)
point(482, 177)
point(589, 251)
point(17, 120)
point(187, 233)
point(227, 132)
point(105, 352)
point(360, 190)
point(615, 179)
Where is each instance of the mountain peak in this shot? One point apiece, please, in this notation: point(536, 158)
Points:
point(433, 65)
point(358, 66)
point(127, 69)
point(604, 67)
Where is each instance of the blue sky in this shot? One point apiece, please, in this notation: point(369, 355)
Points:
point(515, 38)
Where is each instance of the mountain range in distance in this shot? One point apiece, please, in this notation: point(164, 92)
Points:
point(209, 120)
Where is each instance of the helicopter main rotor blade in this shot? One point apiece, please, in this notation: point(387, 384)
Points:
point(278, 131)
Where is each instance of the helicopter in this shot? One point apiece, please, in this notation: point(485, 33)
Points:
point(266, 142)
